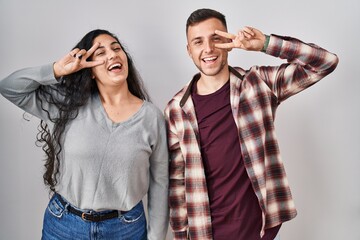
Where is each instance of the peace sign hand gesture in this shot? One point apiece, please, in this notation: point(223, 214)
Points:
point(249, 39)
point(75, 61)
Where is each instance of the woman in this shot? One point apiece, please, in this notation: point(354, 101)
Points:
point(105, 142)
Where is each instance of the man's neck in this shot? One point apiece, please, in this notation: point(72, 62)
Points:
point(209, 84)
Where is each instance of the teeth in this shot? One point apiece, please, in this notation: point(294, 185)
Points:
point(210, 58)
point(115, 65)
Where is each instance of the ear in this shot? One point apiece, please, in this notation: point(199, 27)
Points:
point(188, 50)
point(92, 74)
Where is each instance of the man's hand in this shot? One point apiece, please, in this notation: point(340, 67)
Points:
point(75, 61)
point(248, 38)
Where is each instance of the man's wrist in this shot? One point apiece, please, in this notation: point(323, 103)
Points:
point(266, 43)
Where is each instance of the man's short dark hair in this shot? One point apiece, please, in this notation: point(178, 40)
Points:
point(204, 14)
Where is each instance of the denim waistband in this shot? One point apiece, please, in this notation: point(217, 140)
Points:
point(92, 216)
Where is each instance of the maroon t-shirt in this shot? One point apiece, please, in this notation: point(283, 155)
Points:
point(235, 210)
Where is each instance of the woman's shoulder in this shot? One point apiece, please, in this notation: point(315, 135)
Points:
point(152, 111)
point(152, 107)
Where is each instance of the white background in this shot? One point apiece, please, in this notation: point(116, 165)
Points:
point(318, 129)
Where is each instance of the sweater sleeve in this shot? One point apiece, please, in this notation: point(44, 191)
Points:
point(306, 64)
point(159, 182)
point(21, 86)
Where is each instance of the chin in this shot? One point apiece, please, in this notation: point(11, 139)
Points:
point(211, 72)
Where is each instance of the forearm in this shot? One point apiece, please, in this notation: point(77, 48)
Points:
point(177, 200)
point(295, 51)
point(307, 64)
point(178, 210)
point(158, 209)
point(20, 88)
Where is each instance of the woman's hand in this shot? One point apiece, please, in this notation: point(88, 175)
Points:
point(75, 61)
point(249, 39)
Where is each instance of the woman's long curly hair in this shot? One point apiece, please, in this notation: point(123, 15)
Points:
point(71, 93)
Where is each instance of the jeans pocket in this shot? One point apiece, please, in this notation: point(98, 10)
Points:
point(55, 207)
point(134, 214)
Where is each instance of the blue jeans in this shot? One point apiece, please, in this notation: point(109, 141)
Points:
point(59, 224)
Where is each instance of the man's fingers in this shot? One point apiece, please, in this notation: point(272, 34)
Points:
point(249, 30)
point(225, 45)
point(225, 34)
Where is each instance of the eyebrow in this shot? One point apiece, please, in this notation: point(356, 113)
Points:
point(199, 38)
point(111, 44)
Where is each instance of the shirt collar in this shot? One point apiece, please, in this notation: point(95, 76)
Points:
point(197, 77)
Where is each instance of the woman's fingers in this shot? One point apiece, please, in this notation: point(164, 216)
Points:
point(90, 64)
point(74, 52)
point(92, 49)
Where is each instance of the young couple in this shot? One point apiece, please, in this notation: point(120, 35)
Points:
point(213, 159)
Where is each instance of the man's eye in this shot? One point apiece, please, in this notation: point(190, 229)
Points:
point(99, 53)
point(117, 49)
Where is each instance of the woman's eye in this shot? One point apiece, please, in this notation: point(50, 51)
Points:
point(99, 53)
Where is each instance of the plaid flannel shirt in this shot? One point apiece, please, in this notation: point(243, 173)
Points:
point(254, 96)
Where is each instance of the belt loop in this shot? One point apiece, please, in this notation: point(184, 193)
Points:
point(62, 201)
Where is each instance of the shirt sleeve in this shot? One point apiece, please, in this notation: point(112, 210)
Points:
point(158, 209)
point(306, 64)
point(21, 86)
point(177, 202)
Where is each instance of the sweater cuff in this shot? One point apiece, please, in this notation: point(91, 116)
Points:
point(47, 75)
point(266, 43)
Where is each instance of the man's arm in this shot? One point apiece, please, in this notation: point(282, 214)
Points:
point(177, 200)
point(306, 63)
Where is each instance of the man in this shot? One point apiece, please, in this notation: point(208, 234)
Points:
point(227, 179)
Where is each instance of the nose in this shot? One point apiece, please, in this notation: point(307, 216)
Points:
point(111, 55)
point(209, 46)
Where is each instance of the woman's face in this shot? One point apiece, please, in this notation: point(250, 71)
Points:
point(114, 71)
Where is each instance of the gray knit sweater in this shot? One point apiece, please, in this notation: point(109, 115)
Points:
point(104, 165)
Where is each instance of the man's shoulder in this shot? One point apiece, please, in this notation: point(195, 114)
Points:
point(175, 100)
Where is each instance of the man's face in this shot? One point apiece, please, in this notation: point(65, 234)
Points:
point(201, 40)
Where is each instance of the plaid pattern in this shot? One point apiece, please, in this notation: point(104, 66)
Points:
point(254, 95)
